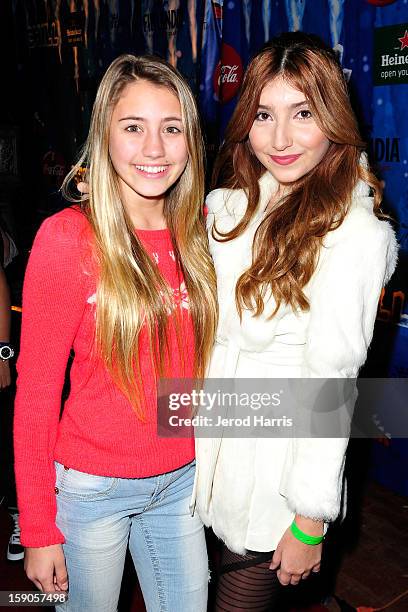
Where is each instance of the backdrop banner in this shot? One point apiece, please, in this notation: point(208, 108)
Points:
point(64, 46)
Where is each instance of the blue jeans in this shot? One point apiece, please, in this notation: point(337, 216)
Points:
point(99, 516)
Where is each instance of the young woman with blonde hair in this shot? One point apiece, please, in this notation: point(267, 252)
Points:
point(301, 255)
point(126, 282)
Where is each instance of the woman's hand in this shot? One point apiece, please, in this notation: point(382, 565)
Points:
point(295, 559)
point(83, 188)
point(46, 567)
point(5, 378)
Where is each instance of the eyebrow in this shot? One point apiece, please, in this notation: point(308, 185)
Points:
point(291, 106)
point(131, 118)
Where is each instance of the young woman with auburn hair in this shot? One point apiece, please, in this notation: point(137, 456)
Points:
point(126, 281)
point(301, 254)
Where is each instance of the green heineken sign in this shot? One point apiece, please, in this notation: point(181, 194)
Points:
point(390, 66)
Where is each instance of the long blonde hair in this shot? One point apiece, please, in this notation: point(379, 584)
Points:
point(287, 243)
point(131, 292)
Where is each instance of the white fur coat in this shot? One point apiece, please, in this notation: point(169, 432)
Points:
point(248, 490)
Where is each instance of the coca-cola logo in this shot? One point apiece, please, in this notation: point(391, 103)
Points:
point(228, 74)
point(54, 168)
point(380, 2)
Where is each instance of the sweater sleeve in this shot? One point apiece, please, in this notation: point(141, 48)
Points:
point(54, 297)
point(343, 306)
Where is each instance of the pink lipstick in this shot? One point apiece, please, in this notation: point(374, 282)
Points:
point(284, 160)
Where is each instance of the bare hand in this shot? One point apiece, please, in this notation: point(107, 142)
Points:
point(46, 567)
point(5, 378)
point(83, 188)
point(295, 559)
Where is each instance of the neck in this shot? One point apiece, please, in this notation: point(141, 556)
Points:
point(147, 215)
point(276, 196)
point(148, 221)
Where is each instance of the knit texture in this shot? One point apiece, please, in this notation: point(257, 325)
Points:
point(98, 432)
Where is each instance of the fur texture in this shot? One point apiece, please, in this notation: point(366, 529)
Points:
point(248, 490)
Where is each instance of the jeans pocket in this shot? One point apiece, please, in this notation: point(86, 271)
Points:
point(82, 486)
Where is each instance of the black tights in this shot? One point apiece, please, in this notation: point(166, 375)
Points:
point(246, 583)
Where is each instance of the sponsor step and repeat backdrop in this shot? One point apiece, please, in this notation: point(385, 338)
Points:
point(64, 46)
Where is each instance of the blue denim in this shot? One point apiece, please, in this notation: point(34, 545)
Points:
point(100, 516)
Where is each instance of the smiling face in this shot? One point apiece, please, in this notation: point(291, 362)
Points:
point(284, 135)
point(147, 145)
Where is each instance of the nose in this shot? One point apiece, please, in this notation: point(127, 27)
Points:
point(153, 145)
point(282, 137)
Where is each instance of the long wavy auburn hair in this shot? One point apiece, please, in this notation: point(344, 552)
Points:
point(131, 292)
point(287, 243)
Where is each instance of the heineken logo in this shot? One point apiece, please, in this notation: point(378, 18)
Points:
point(74, 29)
point(404, 40)
point(390, 65)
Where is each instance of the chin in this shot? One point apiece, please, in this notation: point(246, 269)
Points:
point(155, 191)
point(286, 178)
point(157, 195)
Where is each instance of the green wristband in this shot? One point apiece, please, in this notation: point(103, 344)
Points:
point(304, 537)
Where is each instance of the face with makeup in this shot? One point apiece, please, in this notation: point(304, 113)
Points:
point(147, 146)
point(284, 135)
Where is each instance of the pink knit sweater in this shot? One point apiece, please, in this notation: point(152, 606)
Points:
point(98, 432)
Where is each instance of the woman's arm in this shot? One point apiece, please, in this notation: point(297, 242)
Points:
point(343, 305)
point(4, 327)
point(54, 298)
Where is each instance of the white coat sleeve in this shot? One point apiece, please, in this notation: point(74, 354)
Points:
point(344, 296)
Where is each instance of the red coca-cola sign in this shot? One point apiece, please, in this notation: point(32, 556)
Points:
point(380, 2)
point(228, 74)
point(54, 168)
